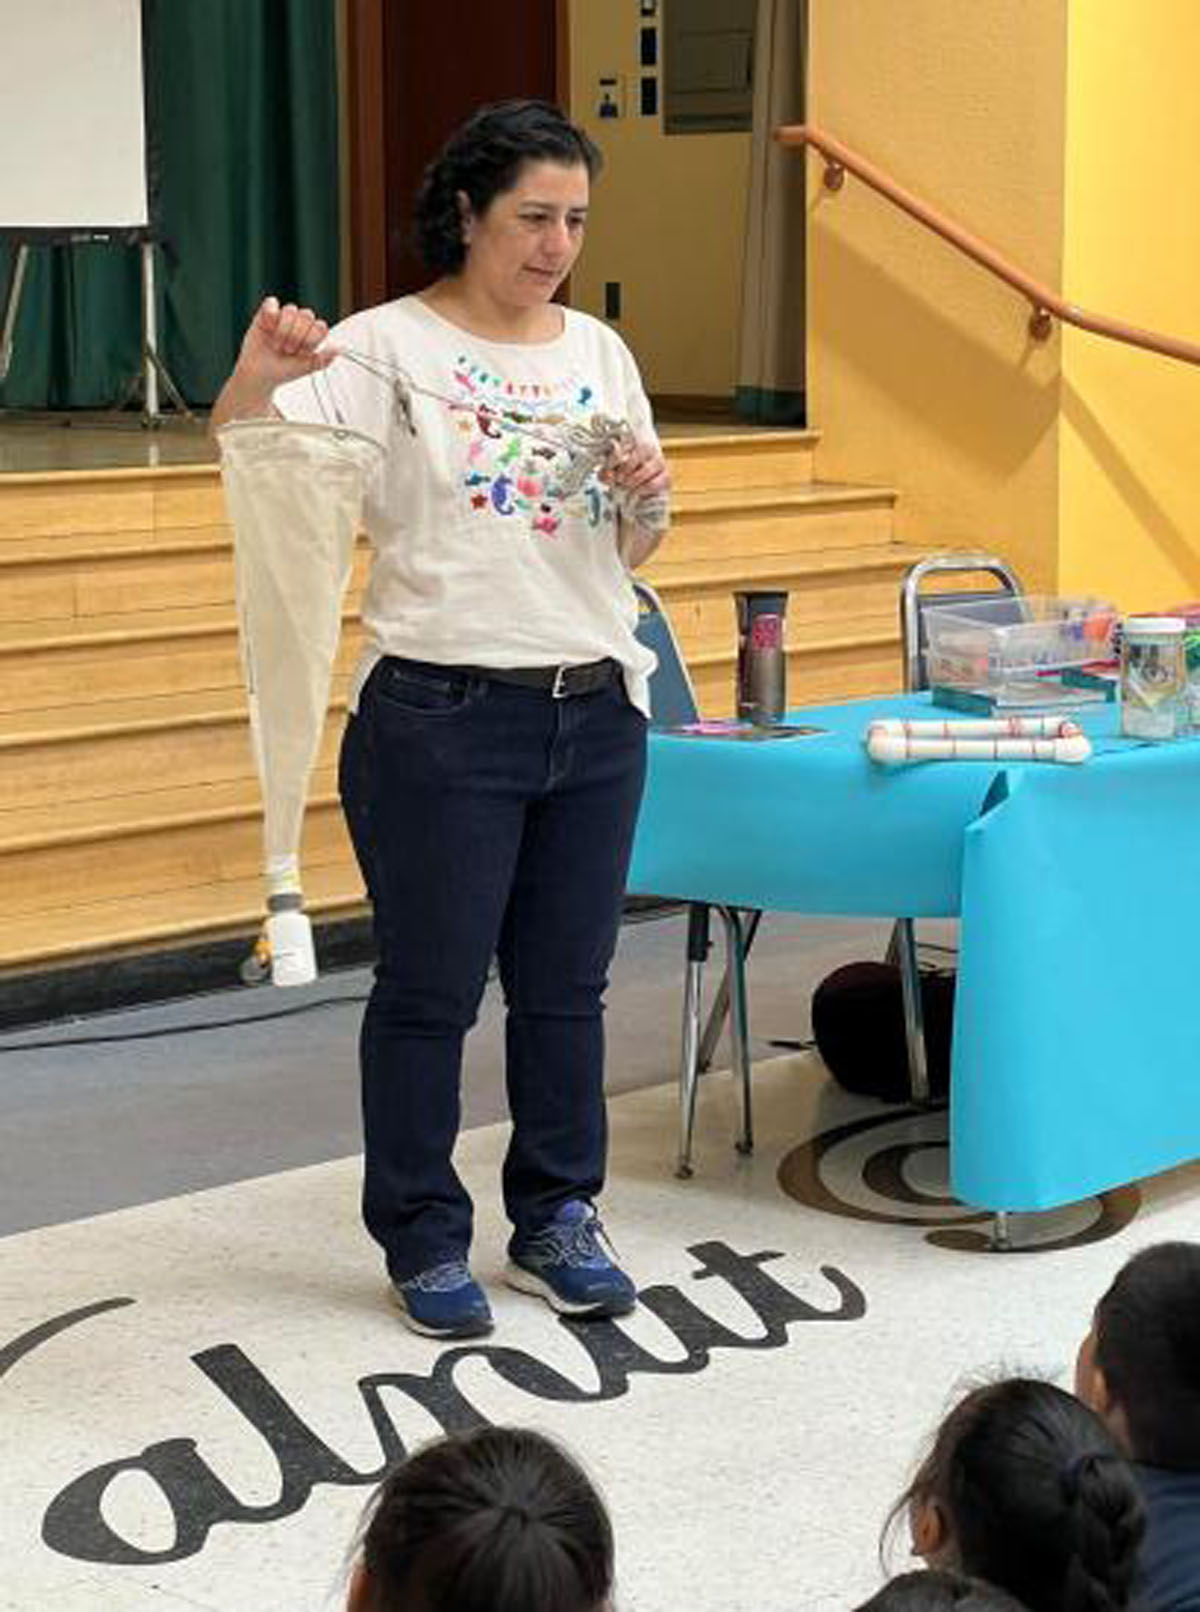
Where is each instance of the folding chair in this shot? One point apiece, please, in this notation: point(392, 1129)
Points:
point(672, 703)
point(902, 949)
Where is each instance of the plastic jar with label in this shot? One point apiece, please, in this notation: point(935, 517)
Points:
point(1153, 678)
point(1191, 650)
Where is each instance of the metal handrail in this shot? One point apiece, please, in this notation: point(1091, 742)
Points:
point(1046, 304)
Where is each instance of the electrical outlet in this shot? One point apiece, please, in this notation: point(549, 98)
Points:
point(610, 96)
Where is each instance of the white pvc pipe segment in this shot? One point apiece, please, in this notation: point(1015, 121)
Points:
point(1039, 738)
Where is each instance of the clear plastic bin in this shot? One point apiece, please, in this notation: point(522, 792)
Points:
point(992, 642)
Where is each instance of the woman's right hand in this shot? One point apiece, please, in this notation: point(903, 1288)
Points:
point(281, 345)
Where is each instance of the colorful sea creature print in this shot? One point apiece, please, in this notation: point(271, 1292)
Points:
point(509, 472)
point(501, 499)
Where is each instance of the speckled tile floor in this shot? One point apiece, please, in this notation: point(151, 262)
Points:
point(188, 1386)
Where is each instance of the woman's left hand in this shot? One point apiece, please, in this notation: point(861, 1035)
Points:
point(639, 471)
point(640, 479)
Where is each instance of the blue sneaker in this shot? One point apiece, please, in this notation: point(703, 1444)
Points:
point(565, 1263)
point(444, 1302)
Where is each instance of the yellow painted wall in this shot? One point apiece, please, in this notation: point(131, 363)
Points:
point(1130, 495)
point(920, 370)
point(667, 218)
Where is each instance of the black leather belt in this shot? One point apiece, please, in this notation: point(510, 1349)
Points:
point(559, 681)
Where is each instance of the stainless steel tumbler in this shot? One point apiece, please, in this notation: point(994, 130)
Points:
point(762, 663)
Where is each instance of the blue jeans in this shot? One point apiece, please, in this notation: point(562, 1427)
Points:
point(488, 819)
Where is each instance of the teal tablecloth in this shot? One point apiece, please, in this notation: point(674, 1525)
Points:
point(1076, 1061)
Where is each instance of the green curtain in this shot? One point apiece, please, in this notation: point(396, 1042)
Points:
point(78, 330)
point(242, 99)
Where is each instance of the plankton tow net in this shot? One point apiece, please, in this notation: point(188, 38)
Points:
point(295, 497)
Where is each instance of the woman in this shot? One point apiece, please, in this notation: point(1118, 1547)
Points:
point(492, 767)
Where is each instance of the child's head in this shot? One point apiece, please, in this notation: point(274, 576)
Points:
point(935, 1590)
point(1026, 1488)
point(498, 1520)
point(1139, 1366)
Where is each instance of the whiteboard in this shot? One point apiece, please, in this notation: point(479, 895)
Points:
point(72, 120)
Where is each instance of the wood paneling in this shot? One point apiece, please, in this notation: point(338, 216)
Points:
point(123, 666)
point(129, 812)
point(366, 88)
point(441, 60)
point(177, 856)
point(813, 679)
point(165, 918)
point(716, 462)
point(710, 526)
point(45, 507)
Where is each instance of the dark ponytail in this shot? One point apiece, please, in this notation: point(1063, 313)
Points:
point(498, 1520)
point(1035, 1496)
point(1105, 1523)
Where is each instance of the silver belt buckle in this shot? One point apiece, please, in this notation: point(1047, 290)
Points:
point(558, 689)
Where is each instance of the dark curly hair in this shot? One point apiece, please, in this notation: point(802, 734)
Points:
point(496, 1520)
point(1036, 1497)
point(482, 159)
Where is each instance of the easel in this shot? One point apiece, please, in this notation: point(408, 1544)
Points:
point(152, 373)
point(12, 301)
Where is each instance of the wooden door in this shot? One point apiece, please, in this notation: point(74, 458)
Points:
point(415, 70)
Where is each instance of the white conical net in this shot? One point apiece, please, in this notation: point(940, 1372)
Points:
point(295, 497)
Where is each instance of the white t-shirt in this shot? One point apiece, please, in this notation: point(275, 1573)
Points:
point(477, 560)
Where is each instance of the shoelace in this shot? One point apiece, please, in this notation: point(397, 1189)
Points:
point(440, 1278)
point(580, 1244)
